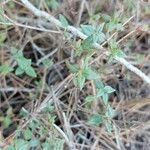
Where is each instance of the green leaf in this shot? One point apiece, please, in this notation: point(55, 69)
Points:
point(109, 89)
point(103, 91)
point(90, 74)
point(53, 143)
point(96, 119)
point(33, 124)
point(119, 27)
point(5, 69)
point(46, 146)
point(115, 50)
point(19, 71)
point(27, 134)
point(116, 53)
point(105, 98)
point(78, 47)
point(100, 92)
point(114, 25)
point(95, 17)
point(63, 21)
point(109, 127)
point(120, 54)
point(14, 51)
point(10, 147)
point(94, 35)
point(23, 63)
point(34, 142)
point(98, 37)
point(21, 144)
point(52, 3)
point(80, 80)
point(111, 26)
point(87, 29)
point(110, 112)
point(85, 63)
point(106, 17)
point(100, 28)
point(24, 112)
point(17, 54)
point(7, 121)
point(51, 119)
point(113, 45)
point(47, 63)
point(88, 43)
point(90, 98)
point(99, 84)
point(74, 68)
point(30, 72)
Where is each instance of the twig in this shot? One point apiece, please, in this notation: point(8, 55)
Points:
point(50, 95)
point(95, 102)
point(80, 12)
point(12, 22)
point(78, 33)
point(13, 89)
point(130, 33)
point(47, 56)
point(95, 144)
point(62, 133)
point(68, 131)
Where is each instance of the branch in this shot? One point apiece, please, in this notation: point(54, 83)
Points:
point(78, 33)
point(13, 89)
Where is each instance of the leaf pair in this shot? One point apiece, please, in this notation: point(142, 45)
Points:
point(82, 73)
point(63, 21)
point(98, 119)
point(24, 64)
point(94, 35)
point(101, 91)
point(115, 51)
point(90, 30)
